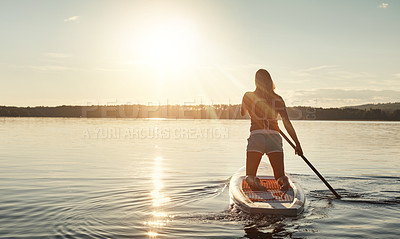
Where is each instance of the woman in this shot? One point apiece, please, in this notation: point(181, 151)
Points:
point(263, 105)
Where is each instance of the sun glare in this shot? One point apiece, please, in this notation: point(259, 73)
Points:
point(170, 46)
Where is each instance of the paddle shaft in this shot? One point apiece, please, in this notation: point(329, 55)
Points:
point(311, 166)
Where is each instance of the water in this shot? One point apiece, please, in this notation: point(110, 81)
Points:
point(130, 178)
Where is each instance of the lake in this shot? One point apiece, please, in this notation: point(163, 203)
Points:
point(159, 178)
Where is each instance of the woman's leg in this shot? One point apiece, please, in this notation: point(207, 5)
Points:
point(277, 163)
point(252, 161)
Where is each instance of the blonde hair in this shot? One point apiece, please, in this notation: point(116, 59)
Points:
point(264, 82)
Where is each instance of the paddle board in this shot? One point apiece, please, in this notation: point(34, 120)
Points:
point(271, 201)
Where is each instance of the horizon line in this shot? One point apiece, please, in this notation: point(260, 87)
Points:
point(187, 105)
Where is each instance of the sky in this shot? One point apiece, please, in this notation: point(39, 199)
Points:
point(319, 53)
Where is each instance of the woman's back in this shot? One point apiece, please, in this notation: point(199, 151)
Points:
point(263, 110)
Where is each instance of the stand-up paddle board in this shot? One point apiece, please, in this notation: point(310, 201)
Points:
point(271, 201)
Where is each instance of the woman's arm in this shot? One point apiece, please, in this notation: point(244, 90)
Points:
point(290, 129)
point(243, 109)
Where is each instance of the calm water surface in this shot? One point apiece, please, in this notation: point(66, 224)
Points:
point(129, 178)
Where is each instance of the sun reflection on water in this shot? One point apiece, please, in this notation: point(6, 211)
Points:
point(159, 217)
point(152, 234)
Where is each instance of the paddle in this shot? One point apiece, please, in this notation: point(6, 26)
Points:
point(311, 166)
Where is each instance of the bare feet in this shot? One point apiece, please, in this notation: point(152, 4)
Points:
point(283, 181)
point(255, 183)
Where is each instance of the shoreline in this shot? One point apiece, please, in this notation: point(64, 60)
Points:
point(196, 119)
point(389, 112)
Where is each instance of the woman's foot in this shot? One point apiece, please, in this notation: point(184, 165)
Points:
point(283, 181)
point(255, 183)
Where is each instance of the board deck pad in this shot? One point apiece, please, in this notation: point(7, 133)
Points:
point(273, 193)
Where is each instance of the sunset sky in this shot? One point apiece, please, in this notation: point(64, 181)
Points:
point(319, 53)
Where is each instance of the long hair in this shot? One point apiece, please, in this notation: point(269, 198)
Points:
point(264, 83)
point(265, 89)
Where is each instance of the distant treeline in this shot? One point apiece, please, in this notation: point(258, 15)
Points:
point(220, 111)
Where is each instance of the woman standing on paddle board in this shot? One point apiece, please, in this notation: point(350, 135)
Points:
point(263, 105)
